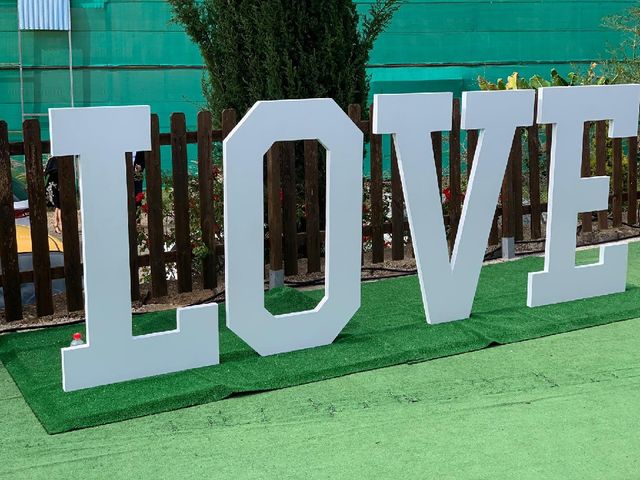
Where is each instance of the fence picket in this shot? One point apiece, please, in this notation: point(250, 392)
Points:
point(133, 230)
point(8, 246)
point(38, 216)
point(586, 217)
point(601, 166)
point(517, 185)
point(154, 216)
point(70, 235)
point(205, 195)
point(274, 204)
point(454, 174)
point(397, 208)
point(289, 208)
point(472, 145)
point(508, 217)
point(436, 141)
point(617, 182)
point(534, 181)
point(548, 147)
point(375, 194)
point(632, 214)
point(355, 114)
point(181, 201)
point(312, 205)
point(494, 234)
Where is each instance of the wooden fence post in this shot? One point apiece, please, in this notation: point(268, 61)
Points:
point(617, 182)
point(205, 190)
point(436, 140)
point(454, 174)
point(632, 214)
point(494, 234)
point(274, 204)
point(312, 205)
point(472, 145)
point(71, 239)
point(549, 144)
point(8, 244)
point(508, 226)
point(375, 193)
point(133, 229)
point(397, 208)
point(181, 201)
point(38, 214)
point(601, 166)
point(289, 208)
point(517, 184)
point(508, 207)
point(155, 217)
point(229, 121)
point(534, 181)
point(355, 114)
point(586, 220)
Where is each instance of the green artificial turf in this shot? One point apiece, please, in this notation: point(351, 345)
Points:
point(389, 329)
point(563, 407)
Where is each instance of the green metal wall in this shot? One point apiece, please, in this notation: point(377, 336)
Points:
point(128, 52)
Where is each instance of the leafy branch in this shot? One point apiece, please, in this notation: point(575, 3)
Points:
point(380, 15)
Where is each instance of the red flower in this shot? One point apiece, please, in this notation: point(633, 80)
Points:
point(145, 208)
point(216, 198)
point(447, 194)
point(139, 197)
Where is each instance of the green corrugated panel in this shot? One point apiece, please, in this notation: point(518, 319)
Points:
point(430, 46)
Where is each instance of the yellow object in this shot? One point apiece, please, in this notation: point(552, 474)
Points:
point(23, 238)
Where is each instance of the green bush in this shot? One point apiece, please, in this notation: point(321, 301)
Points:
point(515, 82)
point(276, 49)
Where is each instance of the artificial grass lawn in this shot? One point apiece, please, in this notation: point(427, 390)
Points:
point(388, 329)
point(561, 407)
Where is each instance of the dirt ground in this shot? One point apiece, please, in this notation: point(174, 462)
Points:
point(370, 272)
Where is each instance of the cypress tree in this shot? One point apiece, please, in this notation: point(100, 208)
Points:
point(281, 49)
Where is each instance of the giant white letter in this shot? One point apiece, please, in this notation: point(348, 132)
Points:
point(101, 136)
point(244, 149)
point(567, 108)
point(448, 288)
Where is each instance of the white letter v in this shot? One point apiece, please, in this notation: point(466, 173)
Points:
point(448, 288)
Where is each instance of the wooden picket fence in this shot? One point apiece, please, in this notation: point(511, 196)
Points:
point(285, 244)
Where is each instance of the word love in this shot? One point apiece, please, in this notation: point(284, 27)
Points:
point(100, 137)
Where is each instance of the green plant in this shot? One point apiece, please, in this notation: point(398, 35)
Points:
point(367, 242)
point(274, 49)
point(516, 82)
point(199, 249)
point(18, 172)
point(624, 61)
point(609, 162)
point(595, 75)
